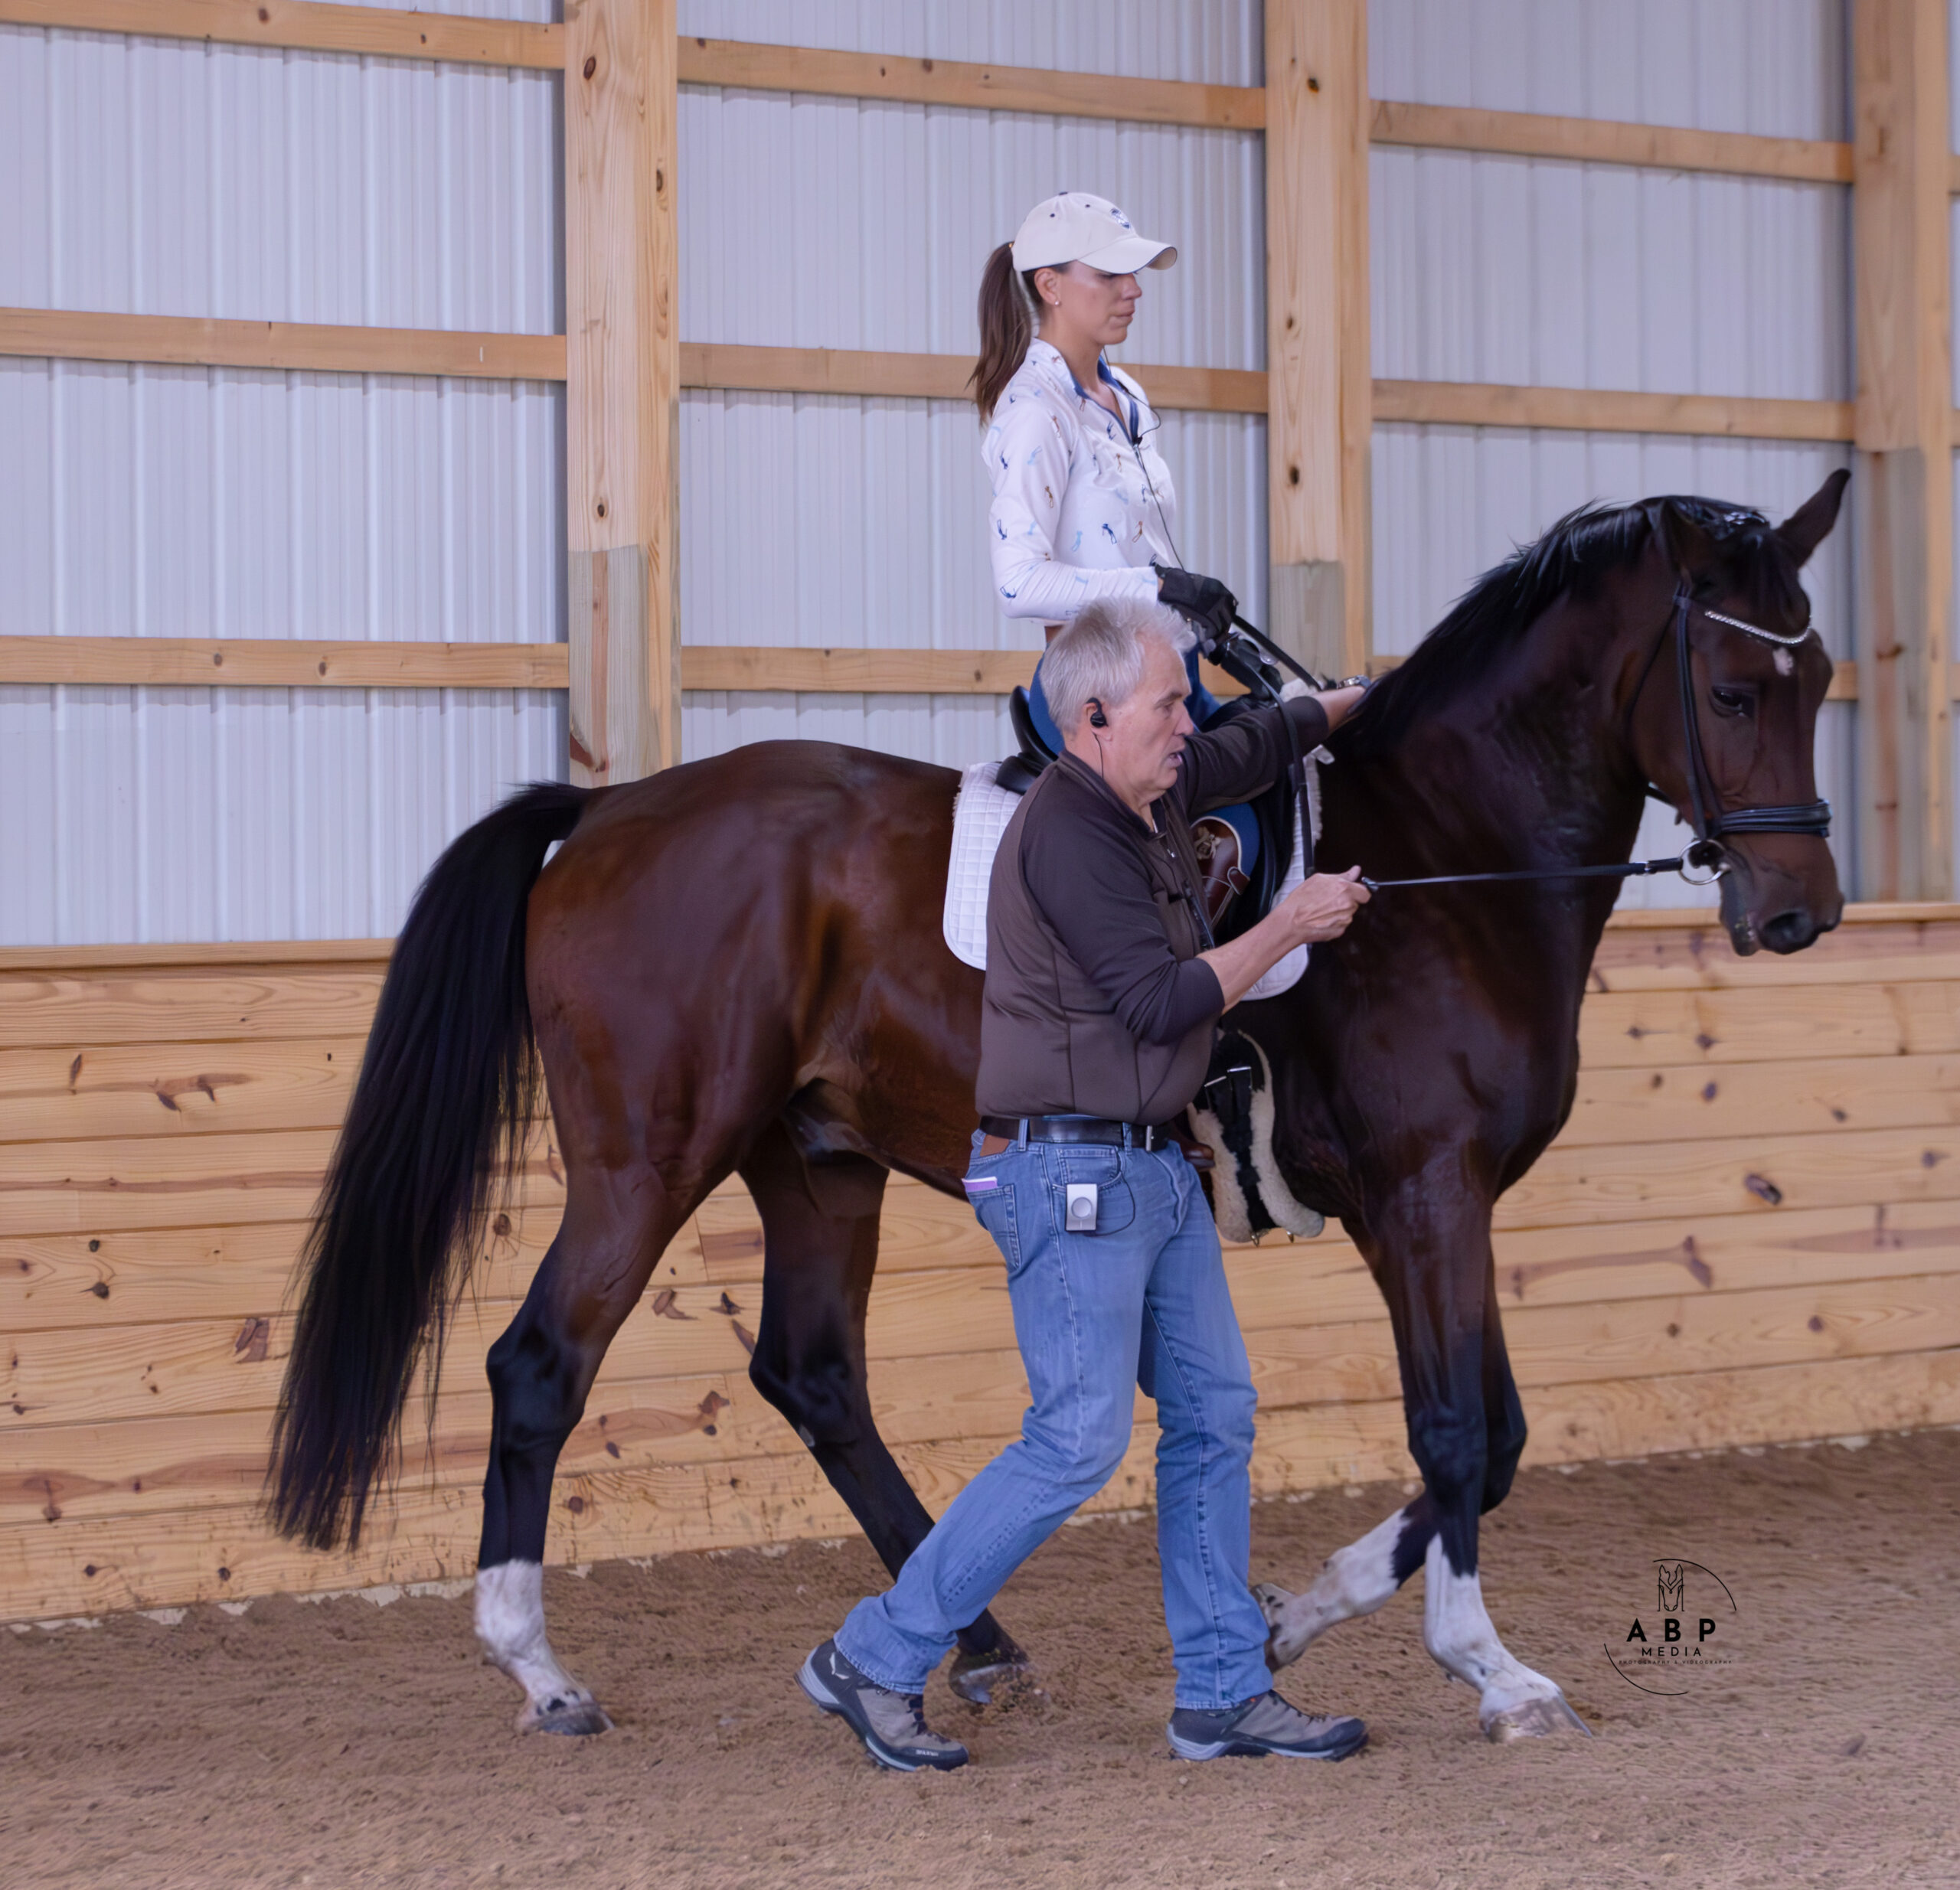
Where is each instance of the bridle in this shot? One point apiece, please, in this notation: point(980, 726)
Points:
point(1711, 819)
point(1705, 856)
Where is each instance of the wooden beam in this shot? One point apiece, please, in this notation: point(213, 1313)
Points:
point(278, 663)
point(889, 76)
point(1602, 410)
point(869, 672)
point(1317, 329)
point(935, 376)
point(622, 389)
point(1902, 498)
point(329, 348)
point(305, 26)
point(1604, 141)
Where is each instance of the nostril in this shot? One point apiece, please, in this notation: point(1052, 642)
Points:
point(1789, 931)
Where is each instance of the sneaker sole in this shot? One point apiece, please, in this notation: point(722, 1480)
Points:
point(812, 1683)
point(1258, 1749)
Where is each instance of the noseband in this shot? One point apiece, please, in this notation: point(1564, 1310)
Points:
point(1712, 820)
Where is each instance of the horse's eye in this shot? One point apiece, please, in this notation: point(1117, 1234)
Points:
point(1733, 701)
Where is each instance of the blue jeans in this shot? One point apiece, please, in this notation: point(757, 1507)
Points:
point(1142, 1300)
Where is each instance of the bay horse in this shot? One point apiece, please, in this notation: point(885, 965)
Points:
point(737, 966)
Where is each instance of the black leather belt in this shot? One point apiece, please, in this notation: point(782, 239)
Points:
point(1080, 1128)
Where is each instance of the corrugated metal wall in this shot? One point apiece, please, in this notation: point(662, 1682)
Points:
point(827, 522)
point(1538, 272)
point(160, 177)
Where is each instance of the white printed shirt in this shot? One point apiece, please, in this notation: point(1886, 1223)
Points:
point(1079, 511)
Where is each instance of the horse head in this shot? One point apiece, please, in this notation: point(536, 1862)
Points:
point(1725, 723)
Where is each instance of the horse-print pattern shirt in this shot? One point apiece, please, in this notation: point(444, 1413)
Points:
point(1083, 501)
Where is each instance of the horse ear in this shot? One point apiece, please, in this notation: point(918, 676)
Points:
point(1809, 525)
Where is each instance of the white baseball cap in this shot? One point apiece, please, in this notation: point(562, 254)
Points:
point(1073, 226)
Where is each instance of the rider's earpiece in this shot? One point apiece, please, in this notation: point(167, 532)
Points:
point(1097, 719)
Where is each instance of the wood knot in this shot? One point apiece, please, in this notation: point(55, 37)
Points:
point(591, 65)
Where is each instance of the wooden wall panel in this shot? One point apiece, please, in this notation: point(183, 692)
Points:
point(1750, 1231)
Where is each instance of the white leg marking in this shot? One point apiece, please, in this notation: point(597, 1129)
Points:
point(1356, 1580)
point(510, 1622)
point(1514, 1702)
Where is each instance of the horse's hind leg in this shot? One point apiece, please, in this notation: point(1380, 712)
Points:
point(616, 1228)
point(1354, 1581)
point(820, 1228)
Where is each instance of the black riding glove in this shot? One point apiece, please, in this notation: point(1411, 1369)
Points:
point(1205, 603)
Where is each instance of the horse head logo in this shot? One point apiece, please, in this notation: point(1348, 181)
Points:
point(1673, 1577)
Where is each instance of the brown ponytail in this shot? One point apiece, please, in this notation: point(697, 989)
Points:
point(1007, 326)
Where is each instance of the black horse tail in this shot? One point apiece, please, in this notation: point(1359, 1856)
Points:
point(441, 1116)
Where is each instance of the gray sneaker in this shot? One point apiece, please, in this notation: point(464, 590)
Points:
point(1268, 1724)
point(892, 1725)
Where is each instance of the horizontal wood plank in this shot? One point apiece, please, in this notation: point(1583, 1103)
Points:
point(14, 959)
point(201, 958)
point(289, 347)
point(276, 663)
point(175, 1089)
point(748, 65)
point(1699, 957)
point(71, 1009)
point(307, 26)
point(223, 1179)
point(879, 374)
point(1730, 1175)
point(1615, 1107)
point(1607, 141)
point(1668, 1029)
point(85, 1565)
point(1603, 411)
point(871, 672)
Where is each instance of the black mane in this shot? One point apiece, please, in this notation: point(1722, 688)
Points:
point(1577, 555)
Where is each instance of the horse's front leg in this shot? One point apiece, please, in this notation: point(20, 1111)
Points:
point(1467, 1432)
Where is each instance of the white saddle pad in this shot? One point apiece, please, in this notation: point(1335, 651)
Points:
point(981, 812)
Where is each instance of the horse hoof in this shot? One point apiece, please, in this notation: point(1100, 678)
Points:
point(574, 1717)
point(1534, 1719)
point(1271, 1599)
point(976, 1677)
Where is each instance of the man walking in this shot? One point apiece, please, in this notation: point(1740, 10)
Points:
point(1099, 1013)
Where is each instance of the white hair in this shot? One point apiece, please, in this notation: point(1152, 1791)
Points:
point(1100, 656)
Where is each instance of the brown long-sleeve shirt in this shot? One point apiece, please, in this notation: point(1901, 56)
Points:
point(1096, 1001)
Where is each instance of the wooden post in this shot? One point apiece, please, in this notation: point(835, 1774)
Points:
point(622, 384)
point(1903, 490)
point(1317, 120)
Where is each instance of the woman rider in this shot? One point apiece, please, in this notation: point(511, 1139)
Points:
point(1083, 504)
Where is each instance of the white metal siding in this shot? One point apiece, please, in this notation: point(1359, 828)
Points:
point(1779, 68)
point(814, 222)
point(162, 177)
point(1216, 42)
point(1538, 272)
